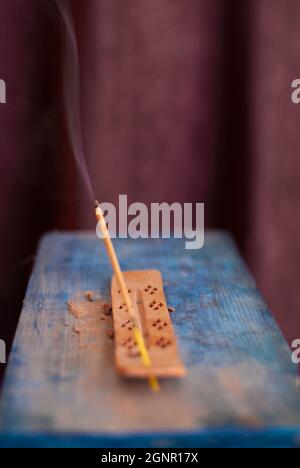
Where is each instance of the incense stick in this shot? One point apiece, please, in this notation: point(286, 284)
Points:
point(124, 291)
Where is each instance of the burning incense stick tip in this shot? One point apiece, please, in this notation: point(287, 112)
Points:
point(96, 204)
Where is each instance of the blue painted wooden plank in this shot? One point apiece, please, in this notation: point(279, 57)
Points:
point(280, 437)
point(240, 388)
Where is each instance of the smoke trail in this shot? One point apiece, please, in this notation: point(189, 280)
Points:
point(72, 93)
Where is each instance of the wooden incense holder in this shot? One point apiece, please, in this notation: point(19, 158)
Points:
point(152, 316)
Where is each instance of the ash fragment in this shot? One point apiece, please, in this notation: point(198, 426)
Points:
point(89, 295)
point(107, 309)
point(110, 334)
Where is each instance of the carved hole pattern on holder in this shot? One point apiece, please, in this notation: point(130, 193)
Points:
point(129, 290)
point(163, 342)
point(155, 305)
point(159, 324)
point(131, 345)
point(128, 324)
point(150, 289)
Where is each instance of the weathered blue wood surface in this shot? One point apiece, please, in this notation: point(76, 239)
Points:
point(240, 388)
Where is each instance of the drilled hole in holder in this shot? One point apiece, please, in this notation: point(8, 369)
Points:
point(127, 323)
point(150, 289)
point(163, 342)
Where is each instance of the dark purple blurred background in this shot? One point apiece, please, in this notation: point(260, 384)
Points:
point(181, 100)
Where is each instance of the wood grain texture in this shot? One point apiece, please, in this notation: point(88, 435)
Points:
point(147, 296)
point(240, 383)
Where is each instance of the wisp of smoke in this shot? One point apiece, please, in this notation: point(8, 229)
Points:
point(72, 93)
